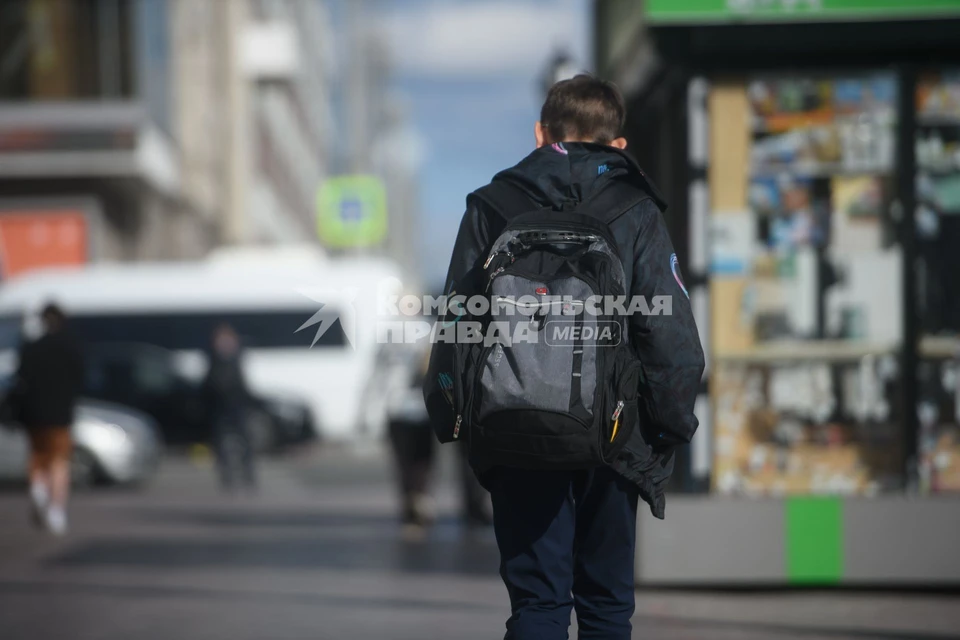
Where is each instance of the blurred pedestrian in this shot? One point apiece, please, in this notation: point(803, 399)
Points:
point(414, 450)
point(48, 382)
point(227, 401)
point(412, 441)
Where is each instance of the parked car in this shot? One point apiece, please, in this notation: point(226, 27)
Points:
point(153, 380)
point(111, 444)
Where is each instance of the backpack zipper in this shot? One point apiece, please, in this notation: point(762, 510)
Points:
point(538, 305)
point(494, 254)
point(604, 234)
point(493, 275)
point(591, 282)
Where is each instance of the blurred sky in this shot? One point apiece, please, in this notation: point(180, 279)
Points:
point(468, 74)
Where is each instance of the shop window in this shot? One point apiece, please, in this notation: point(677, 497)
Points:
point(65, 49)
point(938, 279)
point(805, 285)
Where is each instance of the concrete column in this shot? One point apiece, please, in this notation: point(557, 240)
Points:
point(238, 143)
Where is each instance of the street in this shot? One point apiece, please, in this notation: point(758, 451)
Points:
point(317, 554)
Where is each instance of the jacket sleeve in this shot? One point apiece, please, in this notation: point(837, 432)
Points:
point(666, 340)
point(24, 358)
point(77, 362)
point(466, 262)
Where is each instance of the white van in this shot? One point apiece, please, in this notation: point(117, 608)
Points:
point(177, 305)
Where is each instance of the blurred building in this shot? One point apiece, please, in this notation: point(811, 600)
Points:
point(157, 129)
point(89, 162)
point(256, 112)
point(395, 156)
point(379, 138)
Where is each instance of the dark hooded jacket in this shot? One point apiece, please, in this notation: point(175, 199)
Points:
point(49, 381)
point(668, 346)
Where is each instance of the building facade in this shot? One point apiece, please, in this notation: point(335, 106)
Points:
point(157, 129)
point(256, 113)
point(88, 134)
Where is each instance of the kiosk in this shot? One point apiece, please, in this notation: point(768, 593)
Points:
point(810, 152)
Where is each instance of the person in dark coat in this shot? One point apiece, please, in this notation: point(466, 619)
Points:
point(414, 450)
point(567, 538)
point(412, 442)
point(48, 382)
point(227, 401)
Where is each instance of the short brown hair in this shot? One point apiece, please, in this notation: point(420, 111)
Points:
point(584, 108)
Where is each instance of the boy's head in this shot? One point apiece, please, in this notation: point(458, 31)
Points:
point(583, 109)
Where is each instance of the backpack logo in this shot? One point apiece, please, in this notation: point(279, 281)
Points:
point(602, 169)
point(542, 291)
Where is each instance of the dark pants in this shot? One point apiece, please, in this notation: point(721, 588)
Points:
point(234, 451)
point(566, 542)
point(413, 450)
point(476, 504)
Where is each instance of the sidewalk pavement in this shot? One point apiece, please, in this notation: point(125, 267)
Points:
point(317, 554)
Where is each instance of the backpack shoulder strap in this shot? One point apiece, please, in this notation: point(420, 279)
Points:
point(507, 199)
point(614, 200)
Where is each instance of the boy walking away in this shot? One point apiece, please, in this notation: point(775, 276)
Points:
point(571, 404)
point(49, 381)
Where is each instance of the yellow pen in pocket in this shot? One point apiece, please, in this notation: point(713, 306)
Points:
point(616, 420)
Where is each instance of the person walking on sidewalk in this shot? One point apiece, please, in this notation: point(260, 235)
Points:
point(413, 446)
point(48, 382)
point(227, 401)
point(576, 415)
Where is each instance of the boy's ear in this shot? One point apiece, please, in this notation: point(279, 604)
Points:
point(619, 143)
point(540, 135)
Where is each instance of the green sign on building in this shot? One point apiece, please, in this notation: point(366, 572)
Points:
point(692, 11)
point(352, 212)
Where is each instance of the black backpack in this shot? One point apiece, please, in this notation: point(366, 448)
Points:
point(553, 383)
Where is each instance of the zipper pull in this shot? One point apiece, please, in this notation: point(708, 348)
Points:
point(489, 260)
point(617, 411)
point(493, 275)
point(456, 427)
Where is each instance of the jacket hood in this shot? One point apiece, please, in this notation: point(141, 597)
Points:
point(575, 171)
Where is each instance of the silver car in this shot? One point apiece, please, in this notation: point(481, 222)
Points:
point(111, 443)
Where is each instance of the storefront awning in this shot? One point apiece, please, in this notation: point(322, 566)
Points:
point(733, 11)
